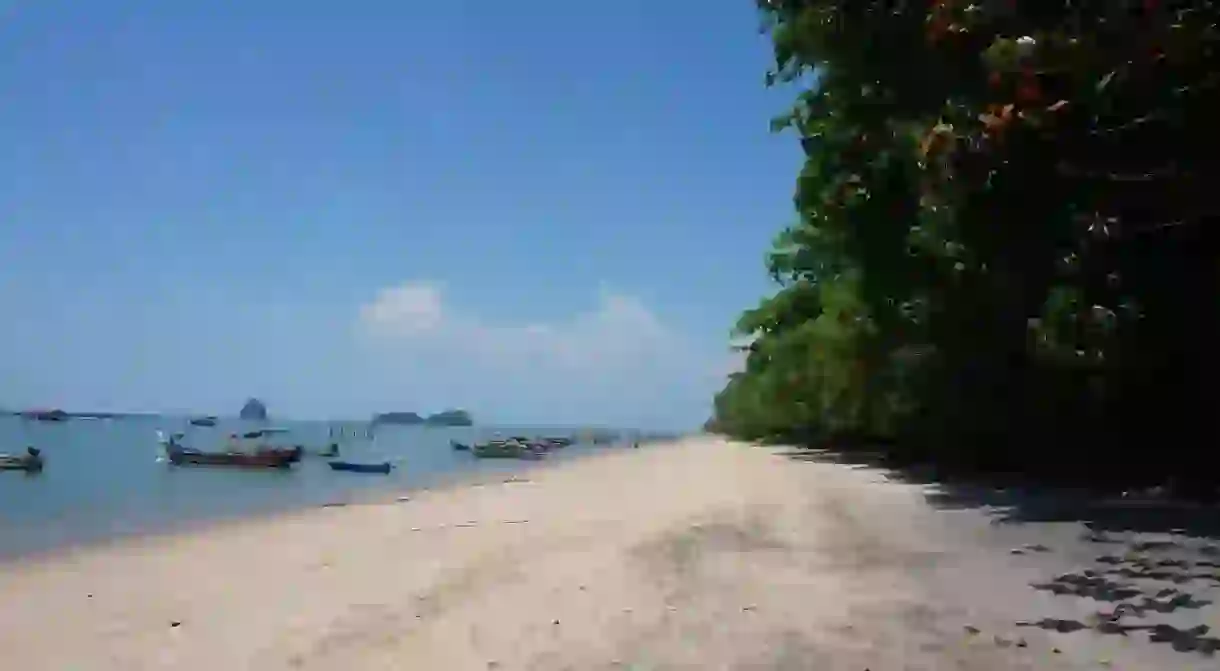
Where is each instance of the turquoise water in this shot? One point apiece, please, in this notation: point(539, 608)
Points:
point(103, 478)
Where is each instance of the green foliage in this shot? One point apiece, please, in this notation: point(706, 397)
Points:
point(1003, 209)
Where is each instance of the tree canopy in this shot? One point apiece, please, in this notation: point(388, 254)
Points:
point(1005, 250)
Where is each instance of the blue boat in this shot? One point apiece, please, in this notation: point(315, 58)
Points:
point(383, 467)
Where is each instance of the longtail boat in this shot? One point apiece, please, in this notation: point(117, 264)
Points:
point(30, 463)
point(353, 467)
point(256, 442)
point(507, 449)
point(275, 458)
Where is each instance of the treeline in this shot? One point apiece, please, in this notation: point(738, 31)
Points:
point(1005, 252)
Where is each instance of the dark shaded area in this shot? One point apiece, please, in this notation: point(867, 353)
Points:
point(1142, 578)
point(1092, 587)
point(1193, 639)
point(1020, 498)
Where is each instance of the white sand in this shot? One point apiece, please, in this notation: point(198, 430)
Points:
point(696, 555)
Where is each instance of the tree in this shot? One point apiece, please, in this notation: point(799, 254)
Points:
point(1010, 203)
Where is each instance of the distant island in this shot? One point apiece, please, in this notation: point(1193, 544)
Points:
point(57, 415)
point(397, 418)
point(446, 418)
point(254, 409)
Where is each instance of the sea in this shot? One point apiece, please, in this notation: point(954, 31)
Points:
point(108, 478)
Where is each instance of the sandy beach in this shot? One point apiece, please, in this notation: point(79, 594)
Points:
point(700, 554)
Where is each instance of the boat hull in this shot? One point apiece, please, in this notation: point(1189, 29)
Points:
point(20, 464)
point(266, 459)
point(350, 467)
point(505, 451)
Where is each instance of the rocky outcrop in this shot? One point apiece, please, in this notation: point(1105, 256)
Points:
point(254, 409)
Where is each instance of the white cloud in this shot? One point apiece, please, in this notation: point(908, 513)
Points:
point(620, 331)
point(408, 309)
point(616, 362)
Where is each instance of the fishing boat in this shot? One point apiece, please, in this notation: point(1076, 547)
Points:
point(256, 441)
point(261, 456)
point(353, 467)
point(203, 421)
point(30, 462)
point(505, 449)
point(292, 454)
point(461, 447)
point(180, 456)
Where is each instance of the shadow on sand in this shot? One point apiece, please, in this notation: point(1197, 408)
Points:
point(1013, 501)
point(1156, 556)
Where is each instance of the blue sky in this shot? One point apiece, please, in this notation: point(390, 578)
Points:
point(542, 211)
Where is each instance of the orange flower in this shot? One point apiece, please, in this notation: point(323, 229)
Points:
point(996, 120)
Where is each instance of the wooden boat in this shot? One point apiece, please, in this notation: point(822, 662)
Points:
point(292, 454)
point(498, 449)
point(255, 442)
point(180, 456)
point(353, 467)
point(509, 449)
point(27, 463)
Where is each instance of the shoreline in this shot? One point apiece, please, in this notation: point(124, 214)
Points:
point(373, 496)
point(700, 553)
